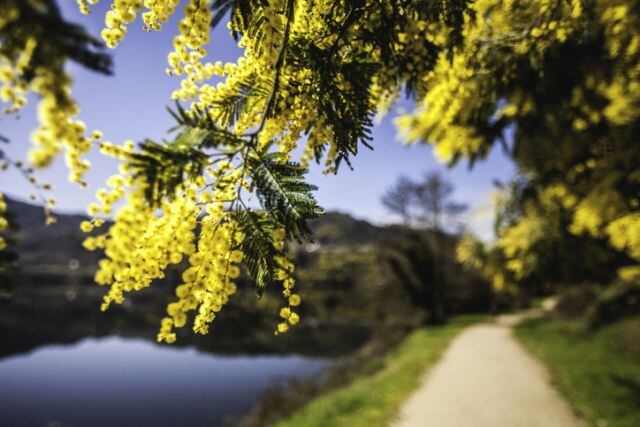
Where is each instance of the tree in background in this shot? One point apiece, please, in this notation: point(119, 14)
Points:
point(410, 257)
point(7, 257)
point(556, 83)
point(400, 199)
point(433, 195)
point(535, 253)
point(425, 202)
point(418, 258)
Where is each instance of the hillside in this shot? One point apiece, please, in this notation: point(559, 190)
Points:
point(58, 244)
point(38, 244)
point(345, 282)
point(53, 288)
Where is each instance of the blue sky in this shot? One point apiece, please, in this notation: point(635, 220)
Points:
point(131, 105)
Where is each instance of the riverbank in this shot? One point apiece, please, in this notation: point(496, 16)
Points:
point(374, 397)
point(598, 372)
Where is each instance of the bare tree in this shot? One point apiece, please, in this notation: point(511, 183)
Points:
point(426, 202)
point(432, 200)
point(399, 198)
point(420, 265)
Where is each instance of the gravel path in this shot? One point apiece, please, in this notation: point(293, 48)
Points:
point(486, 379)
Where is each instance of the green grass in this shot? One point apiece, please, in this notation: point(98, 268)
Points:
point(373, 399)
point(598, 372)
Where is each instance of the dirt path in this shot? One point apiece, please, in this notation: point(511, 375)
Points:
point(486, 379)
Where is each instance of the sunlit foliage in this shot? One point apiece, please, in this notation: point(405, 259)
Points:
point(312, 71)
point(4, 224)
point(557, 83)
point(535, 251)
point(35, 45)
point(229, 190)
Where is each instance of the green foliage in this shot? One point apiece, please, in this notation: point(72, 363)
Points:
point(424, 265)
point(258, 246)
point(165, 167)
point(57, 39)
point(196, 119)
point(287, 201)
point(410, 257)
point(342, 86)
point(283, 192)
point(619, 301)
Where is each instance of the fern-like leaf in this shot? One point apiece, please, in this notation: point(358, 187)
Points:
point(284, 194)
point(258, 248)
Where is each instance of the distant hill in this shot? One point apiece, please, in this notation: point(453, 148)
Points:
point(49, 302)
point(57, 244)
point(41, 244)
point(347, 292)
point(337, 228)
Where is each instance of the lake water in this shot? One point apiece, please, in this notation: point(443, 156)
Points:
point(129, 382)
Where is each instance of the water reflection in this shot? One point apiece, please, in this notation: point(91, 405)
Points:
point(129, 382)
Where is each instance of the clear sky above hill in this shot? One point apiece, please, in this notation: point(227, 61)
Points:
point(131, 105)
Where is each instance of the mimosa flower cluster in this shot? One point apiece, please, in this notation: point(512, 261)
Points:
point(4, 224)
point(195, 227)
point(311, 78)
point(573, 124)
point(298, 98)
point(187, 202)
point(30, 62)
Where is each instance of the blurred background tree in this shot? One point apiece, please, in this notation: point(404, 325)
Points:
point(556, 85)
point(420, 257)
point(7, 255)
point(424, 203)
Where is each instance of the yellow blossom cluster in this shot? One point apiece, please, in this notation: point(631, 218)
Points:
point(4, 224)
point(190, 49)
point(572, 123)
point(20, 73)
point(158, 13)
point(269, 98)
point(58, 129)
point(122, 13)
point(318, 72)
point(13, 87)
point(84, 5)
point(294, 112)
point(194, 226)
point(284, 273)
point(462, 88)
